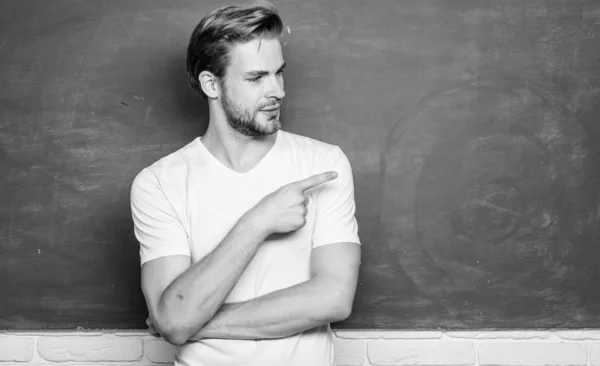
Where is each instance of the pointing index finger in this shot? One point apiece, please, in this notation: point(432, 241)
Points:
point(315, 180)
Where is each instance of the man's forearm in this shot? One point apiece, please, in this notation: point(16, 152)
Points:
point(194, 297)
point(278, 314)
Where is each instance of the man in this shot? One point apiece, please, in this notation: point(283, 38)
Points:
point(248, 239)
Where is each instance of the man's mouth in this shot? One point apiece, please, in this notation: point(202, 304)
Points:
point(271, 107)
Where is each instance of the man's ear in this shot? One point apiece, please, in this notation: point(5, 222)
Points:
point(209, 84)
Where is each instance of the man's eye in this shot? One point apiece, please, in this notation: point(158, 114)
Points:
point(253, 80)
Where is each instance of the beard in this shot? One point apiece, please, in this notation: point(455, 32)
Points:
point(244, 120)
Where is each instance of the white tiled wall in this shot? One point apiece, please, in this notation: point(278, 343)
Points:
point(353, 348)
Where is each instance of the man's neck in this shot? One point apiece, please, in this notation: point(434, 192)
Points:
point(236, 151)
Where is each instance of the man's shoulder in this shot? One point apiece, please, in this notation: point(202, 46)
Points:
point(308, 145)
point(170, 167)
point(313, 152)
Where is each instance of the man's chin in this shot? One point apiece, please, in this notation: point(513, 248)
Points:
point(271, 126)
point(259, 129)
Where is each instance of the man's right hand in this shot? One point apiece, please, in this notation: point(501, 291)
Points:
point(284, 210)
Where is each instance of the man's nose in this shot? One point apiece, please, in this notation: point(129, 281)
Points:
point(275, 87)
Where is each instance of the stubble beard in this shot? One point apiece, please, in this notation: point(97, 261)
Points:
point(244, 121)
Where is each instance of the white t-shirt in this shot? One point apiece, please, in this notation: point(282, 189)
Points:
point(186, 203)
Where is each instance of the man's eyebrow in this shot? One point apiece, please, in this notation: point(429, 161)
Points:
point(252, 74)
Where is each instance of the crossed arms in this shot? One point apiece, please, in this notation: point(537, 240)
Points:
point(187, 303)
point(325, 298)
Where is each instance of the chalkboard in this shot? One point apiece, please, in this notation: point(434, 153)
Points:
point(472, 127)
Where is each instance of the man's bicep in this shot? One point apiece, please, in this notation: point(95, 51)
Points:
point(338, 265)
point(157, 275)
point(156, 224)
point(335, 220)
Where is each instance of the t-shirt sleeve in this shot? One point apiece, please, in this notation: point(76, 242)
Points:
point(335, 221)
point(156, 225)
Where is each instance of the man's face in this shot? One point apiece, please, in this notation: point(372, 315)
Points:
point(252, 91)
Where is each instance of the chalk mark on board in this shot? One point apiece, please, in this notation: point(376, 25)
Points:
point(97, 30)
point(411, 116)
point(404, 123)
point(35, 140)
point(10, 225)
point(148, 112)
point(127, 29)
point(505, 84)
point(85, 54)
point(496, 207)
point(73, 110)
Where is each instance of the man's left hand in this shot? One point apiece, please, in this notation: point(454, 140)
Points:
point(151, 329)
